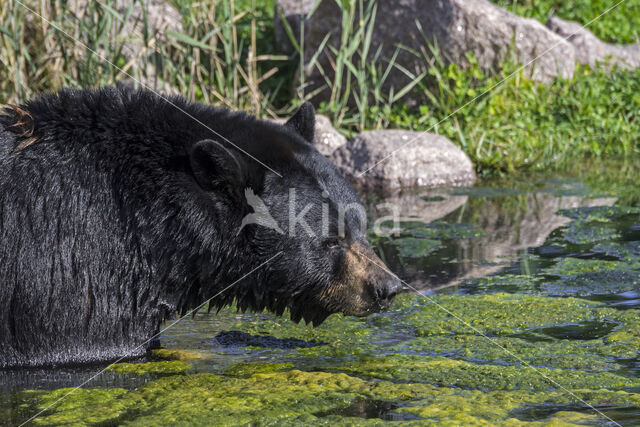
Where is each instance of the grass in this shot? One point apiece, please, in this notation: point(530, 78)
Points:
point(521, 125)
point(222, 56)
point(225, 55)
point(621, 25)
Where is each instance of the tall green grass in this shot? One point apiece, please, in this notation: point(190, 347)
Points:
point(506, 125)
point(218, 58)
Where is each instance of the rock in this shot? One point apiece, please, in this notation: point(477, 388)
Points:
point(590, 50)
point(387, 159)
point(293, 11)
point(457, 27)
point(326, 139)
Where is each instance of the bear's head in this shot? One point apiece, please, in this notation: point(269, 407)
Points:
point(293, 212)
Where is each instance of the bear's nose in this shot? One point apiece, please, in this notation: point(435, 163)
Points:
point(388, 291)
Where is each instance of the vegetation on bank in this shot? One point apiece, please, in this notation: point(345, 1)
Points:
point(620, 25)
point(226, 56)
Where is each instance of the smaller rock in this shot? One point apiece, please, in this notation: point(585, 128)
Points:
point(590, 50)
point(326, 139)
point(387, 159)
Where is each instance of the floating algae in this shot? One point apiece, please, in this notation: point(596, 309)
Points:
point(163, 353)
point(410, 247)
point(628, 252)
point(566, 333)
point(295, 397)
point(245, 370)
point(158, 368)
point(584, 277)
point(584, 232)
point(494, 314)
point(458, 373)
point(205, 399)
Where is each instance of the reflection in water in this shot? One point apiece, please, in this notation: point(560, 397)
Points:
point(511, 221)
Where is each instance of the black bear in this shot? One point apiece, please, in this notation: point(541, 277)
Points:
point(119, 208)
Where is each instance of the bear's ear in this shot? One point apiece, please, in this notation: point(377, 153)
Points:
point(216, 167)
point(304, 121)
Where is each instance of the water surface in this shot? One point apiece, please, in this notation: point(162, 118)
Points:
point(522, 304)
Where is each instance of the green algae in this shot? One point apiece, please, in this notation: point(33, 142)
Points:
point(419, 360)
point(489, 387)
point(457, 373)
point(565, 354)
point(584, 232)
point(505, 283)
point(628, 252)
point(77, 407)
point(603, 214)
point(158, 368)
point(166, 354)
point(568, 267)
point(436, 230)
point(501, 408)
point(582, 277)
point(206, 399)
point(495, 314)
point(416, 239)
point(411, 247)
point(245, 370)
point(295, 398)
point(444, 230)
point(338, 336)
point(567, 333)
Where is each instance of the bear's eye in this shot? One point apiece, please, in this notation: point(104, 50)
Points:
point(333, 242)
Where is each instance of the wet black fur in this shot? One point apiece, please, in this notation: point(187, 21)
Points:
point(111, 221)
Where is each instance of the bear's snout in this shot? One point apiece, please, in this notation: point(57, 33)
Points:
point(365, 285)
point(386, 292)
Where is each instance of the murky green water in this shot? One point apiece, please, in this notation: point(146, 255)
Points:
point(522, 306)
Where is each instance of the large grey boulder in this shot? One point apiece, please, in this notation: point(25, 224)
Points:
point(590, 50)
point(457, 27)
point(388, 159)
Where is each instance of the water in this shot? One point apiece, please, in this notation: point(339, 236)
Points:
point(548, 270)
